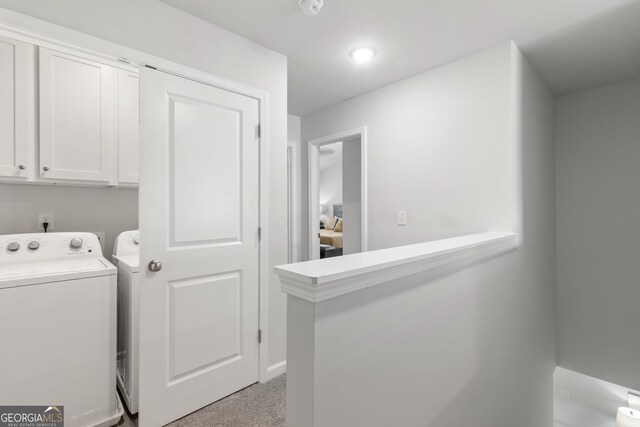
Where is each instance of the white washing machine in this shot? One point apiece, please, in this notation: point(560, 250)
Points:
point(58, 326)
point(126, 256)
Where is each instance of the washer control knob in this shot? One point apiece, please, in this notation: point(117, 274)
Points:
point(136, 239)
point(13, 246)
point(33, 245)
point(75, 243)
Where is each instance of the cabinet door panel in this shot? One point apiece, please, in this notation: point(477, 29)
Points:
point(77, 120)
point(127, 127)
point(16, 107)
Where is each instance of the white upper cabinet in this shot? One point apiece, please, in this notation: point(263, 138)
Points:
point(127, 127)
point(17, 105)
point(77, 118)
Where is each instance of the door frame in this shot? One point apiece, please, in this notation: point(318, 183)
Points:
point(313, 149)
point(61, 39)
point(293, 196)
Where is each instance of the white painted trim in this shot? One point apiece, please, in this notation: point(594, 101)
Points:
point(23, 27)
point(275, 371)
point(517, 101)
point(264, 238)
point(295, 202)
point(319, 280)
point(314, 183)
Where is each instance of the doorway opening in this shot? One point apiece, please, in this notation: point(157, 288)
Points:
point(337, 194)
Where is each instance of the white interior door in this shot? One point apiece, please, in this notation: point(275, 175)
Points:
point(199, 193)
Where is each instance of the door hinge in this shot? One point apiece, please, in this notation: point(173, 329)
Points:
point(259, 336)
point(259, 233)
point(259, 130)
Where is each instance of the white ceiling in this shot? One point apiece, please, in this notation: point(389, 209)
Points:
point(575, 44)
point(328, 159)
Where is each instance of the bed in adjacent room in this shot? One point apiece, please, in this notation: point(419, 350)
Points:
point(332, 233)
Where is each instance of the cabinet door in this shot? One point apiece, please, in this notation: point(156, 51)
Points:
point(77, 118)
point(127, 127)
point(17, 62)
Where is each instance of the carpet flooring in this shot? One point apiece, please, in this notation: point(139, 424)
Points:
point(259, 405)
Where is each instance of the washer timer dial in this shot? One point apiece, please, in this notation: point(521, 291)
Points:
point(75, 243)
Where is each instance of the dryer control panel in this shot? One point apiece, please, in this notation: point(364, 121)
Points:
point(127, 243)
point(45, 246)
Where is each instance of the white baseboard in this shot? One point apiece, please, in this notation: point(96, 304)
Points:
point(276, 370)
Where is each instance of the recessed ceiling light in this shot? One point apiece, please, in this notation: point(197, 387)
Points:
point(362, 54)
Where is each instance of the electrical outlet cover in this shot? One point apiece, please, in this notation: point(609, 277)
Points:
point(45, 217)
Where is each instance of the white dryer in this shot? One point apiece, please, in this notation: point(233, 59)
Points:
point(126, 256)
point(58, 326)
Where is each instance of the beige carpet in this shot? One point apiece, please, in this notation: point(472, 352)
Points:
point(259, 405)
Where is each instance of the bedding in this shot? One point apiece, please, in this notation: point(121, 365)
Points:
point(330, 225)
point(330, 237)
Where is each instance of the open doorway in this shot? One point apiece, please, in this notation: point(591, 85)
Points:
point(330, 196)
point(337, 194)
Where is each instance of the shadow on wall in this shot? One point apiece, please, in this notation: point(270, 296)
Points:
point(556, 55)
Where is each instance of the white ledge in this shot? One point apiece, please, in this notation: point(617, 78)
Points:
point(319, 280)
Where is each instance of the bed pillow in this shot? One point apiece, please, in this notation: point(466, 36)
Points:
point(330, 225)
point(338, 227)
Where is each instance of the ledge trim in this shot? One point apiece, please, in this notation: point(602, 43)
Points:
point(320, 280)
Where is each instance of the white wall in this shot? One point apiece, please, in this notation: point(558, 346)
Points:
point(155, 28)
point(330, 187)
point(472, 347)
point(74, 209)
point(293, 136)
point(293, 128)
point(438, 149)
point(598, 220)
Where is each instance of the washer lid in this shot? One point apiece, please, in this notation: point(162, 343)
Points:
point(30, 273)
point(130, 263)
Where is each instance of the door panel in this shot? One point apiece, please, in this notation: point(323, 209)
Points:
point(17, 64)
point(206, 323)
point(76, 118)
point(210, 212)
point(199, 193)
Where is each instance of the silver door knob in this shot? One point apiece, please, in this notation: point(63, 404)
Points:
point(155, 265)
point(21, 167)
point(45, 168)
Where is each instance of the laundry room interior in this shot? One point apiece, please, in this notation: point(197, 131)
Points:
point(319, 213)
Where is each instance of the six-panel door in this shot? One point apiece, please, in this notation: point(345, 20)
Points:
point(199, 216)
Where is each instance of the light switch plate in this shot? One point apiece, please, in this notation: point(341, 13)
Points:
point(402, 217)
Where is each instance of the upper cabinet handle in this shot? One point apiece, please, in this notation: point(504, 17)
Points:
point(45, 168)
point(21, 167)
